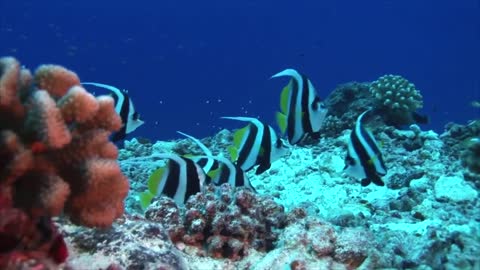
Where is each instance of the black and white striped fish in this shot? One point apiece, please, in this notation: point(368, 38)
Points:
point(256, 144)
point(124, 107)
point(302, 112)
point(219, 169)
point(230, 173)
point(179, 179)
point(364, 160)
point(207, 164)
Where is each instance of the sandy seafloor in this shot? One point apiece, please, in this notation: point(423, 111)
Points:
point(426, 217)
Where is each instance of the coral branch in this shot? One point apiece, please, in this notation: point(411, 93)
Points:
point(55, 156)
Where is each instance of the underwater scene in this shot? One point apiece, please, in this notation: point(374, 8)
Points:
point(249, 135)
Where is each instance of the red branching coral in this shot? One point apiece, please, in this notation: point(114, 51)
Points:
point(55, 154)
point(226, 222)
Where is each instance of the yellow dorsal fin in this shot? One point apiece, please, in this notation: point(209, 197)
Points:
point(213, 173)
point(154, 180)
point(238, 136)
point(145, 199)
point(232, 150)
point(284, 99)
point(282, 122)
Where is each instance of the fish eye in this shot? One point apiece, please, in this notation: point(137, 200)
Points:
point(136, 116)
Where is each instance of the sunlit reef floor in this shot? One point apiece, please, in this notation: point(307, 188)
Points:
point(426, 217)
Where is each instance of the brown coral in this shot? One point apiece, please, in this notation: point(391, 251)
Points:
point(55, 152)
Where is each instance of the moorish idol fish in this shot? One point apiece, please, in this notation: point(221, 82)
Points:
point(124, 107)
point(302, 112)
point(179, 179)
point(225, 172)
point(207, 164)
point(255, 144)
point(230, 173)
point(364, 160)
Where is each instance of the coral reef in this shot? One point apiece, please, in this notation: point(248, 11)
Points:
point(307, 213)
point(397, 98)
point(426, 217)
point(55, 155)
point(137, 243)
point(316, 244)
point(344, 105)
point(471, 156)
point(27, 243)
point(226, 222)
point(462, 143)
point(131, 243)
point(456, 133)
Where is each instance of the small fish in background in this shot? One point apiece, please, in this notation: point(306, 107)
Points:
point(364, 160)
point(219, 169)
point(124, 107)
point(475, 104)
point(302, 111)
point(255, 144)
point(179, 179)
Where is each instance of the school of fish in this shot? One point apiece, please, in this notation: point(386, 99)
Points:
point(256, 145)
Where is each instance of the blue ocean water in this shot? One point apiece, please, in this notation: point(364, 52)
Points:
point(186, 63)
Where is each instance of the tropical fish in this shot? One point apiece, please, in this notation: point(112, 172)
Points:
point(179, 179)
point(364, 160)
point(302, 112)
point(124, 107)
point(207, 164)
point(230, 173)
point(256, 144)
point(219, 169)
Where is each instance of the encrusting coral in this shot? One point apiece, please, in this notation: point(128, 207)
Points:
point(227, 222)
point(55, 153)
point(470, 157)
